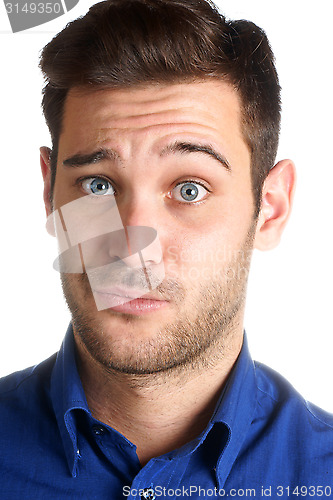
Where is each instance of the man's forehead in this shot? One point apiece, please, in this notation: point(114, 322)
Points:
point(202, 113)
point(151, 97)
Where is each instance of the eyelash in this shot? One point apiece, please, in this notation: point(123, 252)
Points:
point(185, 181)
point(191, 181)
point(80, 181)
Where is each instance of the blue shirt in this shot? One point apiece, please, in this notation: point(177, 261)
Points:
point(262, 440)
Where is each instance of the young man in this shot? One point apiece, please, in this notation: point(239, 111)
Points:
point(162, 179)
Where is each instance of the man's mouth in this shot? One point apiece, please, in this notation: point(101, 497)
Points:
point(128, 300)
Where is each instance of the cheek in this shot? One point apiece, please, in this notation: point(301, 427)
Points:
point(195, 257)
point(208, 251)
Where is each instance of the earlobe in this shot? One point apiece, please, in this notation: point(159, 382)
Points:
point(277, 197)
point(46, 173)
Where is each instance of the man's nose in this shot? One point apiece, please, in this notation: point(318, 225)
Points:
point(137, 207)
point(138, 244)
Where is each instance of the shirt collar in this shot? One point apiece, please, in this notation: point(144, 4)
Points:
point(235, 408)
point(67, 394)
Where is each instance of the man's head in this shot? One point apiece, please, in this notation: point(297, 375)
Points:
point(174, 112)
point(126, 44)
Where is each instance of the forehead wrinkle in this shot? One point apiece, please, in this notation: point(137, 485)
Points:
point(159, 139)
point(115, 126)
point(178, 115)
point(142, 106)
point(190, 128)
point(140, 115)
point(131, 141)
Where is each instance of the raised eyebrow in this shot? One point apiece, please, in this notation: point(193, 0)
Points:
point(80, 160)
point(189, 147)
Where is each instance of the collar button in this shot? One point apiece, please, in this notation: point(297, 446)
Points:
point(98, 430)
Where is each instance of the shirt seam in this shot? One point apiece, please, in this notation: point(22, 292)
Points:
point(267, 394)
point(327, 424)
point(302, 401)
point(18, 384)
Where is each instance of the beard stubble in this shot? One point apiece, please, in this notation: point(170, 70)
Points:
point(207, 316)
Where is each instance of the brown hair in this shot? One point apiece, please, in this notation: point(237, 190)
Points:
point(123, 43)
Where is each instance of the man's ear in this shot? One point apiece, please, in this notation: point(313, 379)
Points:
point(46, 173)
point(277, 197)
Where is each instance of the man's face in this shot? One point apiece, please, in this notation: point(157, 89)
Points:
point(175, 159)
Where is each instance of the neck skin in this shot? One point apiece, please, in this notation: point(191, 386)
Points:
point(159, 412)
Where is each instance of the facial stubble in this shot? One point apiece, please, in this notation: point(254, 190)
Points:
point(207, 316)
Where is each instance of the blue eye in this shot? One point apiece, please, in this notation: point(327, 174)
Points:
point(98, 186)
point(189, 192)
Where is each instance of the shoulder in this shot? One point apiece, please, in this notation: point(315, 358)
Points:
point(298, 431)
point(20, 388)
point(275, 391)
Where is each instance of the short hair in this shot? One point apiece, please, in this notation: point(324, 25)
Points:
point(126, 43)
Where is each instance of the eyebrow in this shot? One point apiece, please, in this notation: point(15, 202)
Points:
point(189, 147)
point(80, 160)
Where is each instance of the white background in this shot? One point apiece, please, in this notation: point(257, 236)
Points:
point(289, 308)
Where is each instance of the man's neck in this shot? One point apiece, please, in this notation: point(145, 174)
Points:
point(157, 412)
